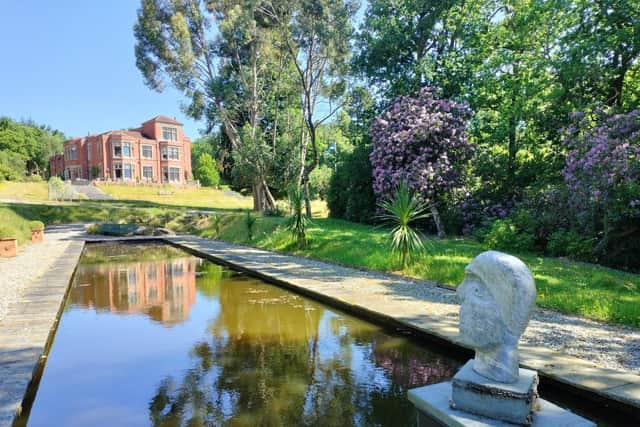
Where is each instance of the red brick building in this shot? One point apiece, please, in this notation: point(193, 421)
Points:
point(157, 152)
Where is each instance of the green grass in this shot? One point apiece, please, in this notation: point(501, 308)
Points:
point(16, 224)
point(204, 198)
point(572, 287)
point(28, 191)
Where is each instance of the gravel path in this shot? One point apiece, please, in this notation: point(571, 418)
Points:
point(33, 261)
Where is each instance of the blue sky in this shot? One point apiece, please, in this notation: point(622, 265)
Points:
point(70, 64)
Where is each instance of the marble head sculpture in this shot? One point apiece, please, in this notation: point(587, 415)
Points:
point(497, 298)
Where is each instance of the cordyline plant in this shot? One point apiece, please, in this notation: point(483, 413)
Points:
point(298, 222)
point(249, 223)
point(401, 211)
point(422, 141)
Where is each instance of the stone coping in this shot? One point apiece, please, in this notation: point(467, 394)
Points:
point(351, 289)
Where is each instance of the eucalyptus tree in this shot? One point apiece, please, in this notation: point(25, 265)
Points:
point(316, 35)
point(219, 67)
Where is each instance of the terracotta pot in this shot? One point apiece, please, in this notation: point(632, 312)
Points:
point(8, 247)
point(37, 235)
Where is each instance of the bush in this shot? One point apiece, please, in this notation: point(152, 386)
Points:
point(319, 180)
point(36, 225)
point(12, 166)
point(570, 243)
point(350, 194)
point(503, 234)
point(6, 232)
point(206, 171)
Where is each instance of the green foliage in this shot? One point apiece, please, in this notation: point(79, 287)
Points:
point(503, 234)
point(401, 212)
point(26, 147)
point(206, 171)
point(216, 221)
point(6, 231)
point(350, 194)
point(12, 166)
point(249, 224)
point(570, 243)
point(298, 222)
point(36, 225)
point(319, 180)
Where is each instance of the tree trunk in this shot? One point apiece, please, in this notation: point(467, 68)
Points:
point(438, 221)
point(307, 199)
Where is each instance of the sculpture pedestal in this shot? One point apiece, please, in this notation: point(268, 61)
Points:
point(478, 395)
point(432, 403)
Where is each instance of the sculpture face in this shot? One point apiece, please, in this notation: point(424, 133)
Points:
point(481, 326)
point(497, 298)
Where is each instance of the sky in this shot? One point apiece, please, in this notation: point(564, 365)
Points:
point(70, 64)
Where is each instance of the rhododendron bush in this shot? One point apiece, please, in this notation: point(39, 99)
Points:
point(602, 172)
point(422, 141)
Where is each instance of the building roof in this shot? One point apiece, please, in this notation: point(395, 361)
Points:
point(164, 119)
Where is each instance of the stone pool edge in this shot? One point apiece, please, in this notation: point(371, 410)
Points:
point(615, 389)
point(30, 332)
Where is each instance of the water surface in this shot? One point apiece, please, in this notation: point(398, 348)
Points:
point(153, 336)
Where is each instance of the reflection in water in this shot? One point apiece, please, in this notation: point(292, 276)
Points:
point(243, 353)
point(275, 358)
point(164, 290)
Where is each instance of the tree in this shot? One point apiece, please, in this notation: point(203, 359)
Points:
point(421, 141)
point(316, 36)
point(207, 171)
point(222, 78)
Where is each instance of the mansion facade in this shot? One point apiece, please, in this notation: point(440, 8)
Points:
point(157, 152)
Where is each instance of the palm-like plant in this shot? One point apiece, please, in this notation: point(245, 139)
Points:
point(298, 222)
point(401, 211)
point(249, 222)
point(217, 224)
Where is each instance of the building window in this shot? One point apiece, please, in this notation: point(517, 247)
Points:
point(174, 174)
point(89, 151)
point(121, 149)
point(169, 134)
point(117, 171)
point(170, 153)
point(147, 172)
point(74, 152)
point(147, 152)
point(127, 169)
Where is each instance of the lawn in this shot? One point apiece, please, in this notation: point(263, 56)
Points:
point(28, 191)
point(192, 197)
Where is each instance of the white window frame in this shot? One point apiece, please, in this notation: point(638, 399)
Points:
point(89, 151)
point(127, 167)
point(145, 169)
point(73, 152)
point(169, 133)
point(174, 172)
point(150, 148)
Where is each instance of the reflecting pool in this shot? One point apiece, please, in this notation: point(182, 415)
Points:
point(153, 336)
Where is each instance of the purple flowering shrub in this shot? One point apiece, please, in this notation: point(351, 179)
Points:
point(420, 140)
point(602, 173)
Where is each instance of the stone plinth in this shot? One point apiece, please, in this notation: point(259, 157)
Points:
point(432, 403)
point(8, 247)
point(514, 402)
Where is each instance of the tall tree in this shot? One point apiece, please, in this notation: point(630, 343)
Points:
point(221, 76)
point(316, 35)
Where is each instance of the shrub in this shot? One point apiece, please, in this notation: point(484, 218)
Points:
point(350, 194)
point(36, 225)
point(6, 232)
point(206, 171)
point(402, 211)
point(422, 141)
point(503, 234)
point(319, 179)
point(298, 222)
point(249, 223)
point(12, 166)
point(217, 224)
point(570, 243)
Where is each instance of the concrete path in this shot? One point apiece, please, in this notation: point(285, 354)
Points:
point(92, 192)
point(32, 290)
point(421, 307)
